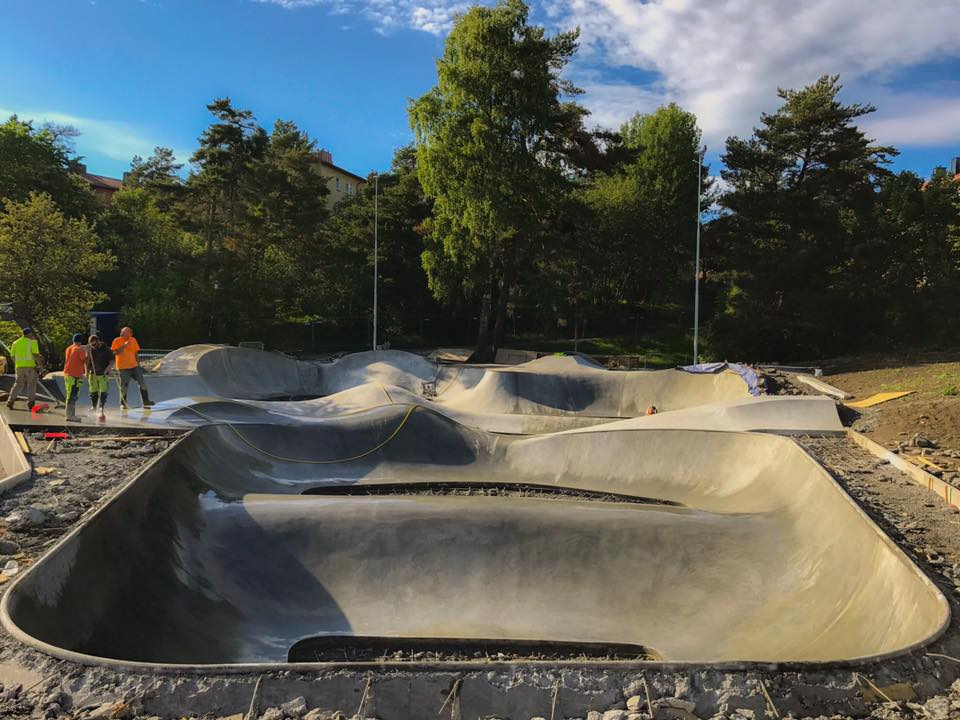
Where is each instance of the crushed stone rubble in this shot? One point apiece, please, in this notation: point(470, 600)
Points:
point(923, 684)
point(73, 479)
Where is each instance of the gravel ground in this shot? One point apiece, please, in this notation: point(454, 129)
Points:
point(41, 510)
point(70, 479)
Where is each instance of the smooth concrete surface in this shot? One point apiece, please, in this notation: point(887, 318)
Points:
point(782, 414)
point(566, 385)
point(546, 395)
point(213, 555)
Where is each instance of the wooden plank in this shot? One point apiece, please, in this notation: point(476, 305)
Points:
point(822, 387)
point(949, 494)
point(878, 398)
point(121, 438)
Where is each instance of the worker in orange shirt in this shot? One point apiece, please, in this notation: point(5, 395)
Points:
point(126, 348)
point(75, 360)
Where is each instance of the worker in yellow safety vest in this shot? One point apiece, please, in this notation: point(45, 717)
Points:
point(26, 353)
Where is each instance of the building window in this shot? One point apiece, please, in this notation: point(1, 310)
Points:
point(349, 188)
point(338, 183)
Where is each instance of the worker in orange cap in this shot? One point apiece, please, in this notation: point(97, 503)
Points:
point(125, 348)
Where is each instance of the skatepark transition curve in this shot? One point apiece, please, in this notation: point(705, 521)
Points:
point(245, 541)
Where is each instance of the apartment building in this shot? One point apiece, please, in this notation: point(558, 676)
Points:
point(342, 183)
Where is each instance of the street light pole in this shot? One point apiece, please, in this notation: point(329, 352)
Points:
point(376, 273)
point(696, 269)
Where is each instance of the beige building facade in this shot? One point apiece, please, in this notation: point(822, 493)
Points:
point(342, 183)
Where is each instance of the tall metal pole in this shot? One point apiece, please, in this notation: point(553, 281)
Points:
point(376, 273)
point(696, 269)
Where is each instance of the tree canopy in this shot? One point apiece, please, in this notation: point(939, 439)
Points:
point(492, 139)
point(50, 262)
point(796, 236)
point(40, 160)
point(507, 216)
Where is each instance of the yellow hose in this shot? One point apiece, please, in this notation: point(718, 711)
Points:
point(372, 450)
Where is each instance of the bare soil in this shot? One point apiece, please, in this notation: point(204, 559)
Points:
point(933, 409)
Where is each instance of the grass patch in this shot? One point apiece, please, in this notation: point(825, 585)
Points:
point(662, 349)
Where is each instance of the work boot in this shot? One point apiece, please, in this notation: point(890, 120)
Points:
point(72, 412)
point(147, 402)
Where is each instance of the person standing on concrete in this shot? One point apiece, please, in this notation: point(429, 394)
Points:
point(126, 348)
point(101, 362)
point(26, 354)
point(75, 360)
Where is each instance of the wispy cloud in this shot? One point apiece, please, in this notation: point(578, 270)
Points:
point(110, 138)
point(725, 59)
point(431, 16)
point(917, 119)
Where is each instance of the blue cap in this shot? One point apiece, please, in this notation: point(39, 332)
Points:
point(79, 337)
point(28, 331)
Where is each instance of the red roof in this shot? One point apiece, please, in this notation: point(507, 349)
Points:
point(100, 181)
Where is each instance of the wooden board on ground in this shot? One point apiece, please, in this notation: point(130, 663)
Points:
point(878, 398)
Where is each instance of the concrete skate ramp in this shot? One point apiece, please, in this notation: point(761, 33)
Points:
point(783, 414)
point(202, 411)
point(738, 548)
point(550, 386)
point(547, 386)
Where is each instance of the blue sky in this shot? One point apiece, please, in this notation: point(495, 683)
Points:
point(132, 74)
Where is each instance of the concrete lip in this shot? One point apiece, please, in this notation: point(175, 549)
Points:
point(213, 558)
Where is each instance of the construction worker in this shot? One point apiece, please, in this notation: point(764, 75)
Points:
point(75, 360)
point(126, 348)
point(26, 355)
point(101, 363)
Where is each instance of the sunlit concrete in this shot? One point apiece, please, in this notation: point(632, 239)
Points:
point(213, 556)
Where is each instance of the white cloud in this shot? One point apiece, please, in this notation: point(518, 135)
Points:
point(110, 138)
point(911, 119)
point(431, 16)
point(610, 104)
point(724, 59)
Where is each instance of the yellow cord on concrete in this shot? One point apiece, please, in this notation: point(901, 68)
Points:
point(386, 392)
point(372, 450)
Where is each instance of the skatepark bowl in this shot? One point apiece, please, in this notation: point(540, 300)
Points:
point(399, 529)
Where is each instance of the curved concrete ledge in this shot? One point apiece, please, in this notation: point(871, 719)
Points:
point(561, 386)
point(212, 557)
point(14, 466)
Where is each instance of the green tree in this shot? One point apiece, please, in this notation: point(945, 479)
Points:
point(160, 175)
point(228, 148)
point(156, 280)
point(643, 225)
point(493, 141)
point(41, 161)
point(50, 263)
point(917, 256)
point(406, 305)
point(160, 169)
point(794, 240)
